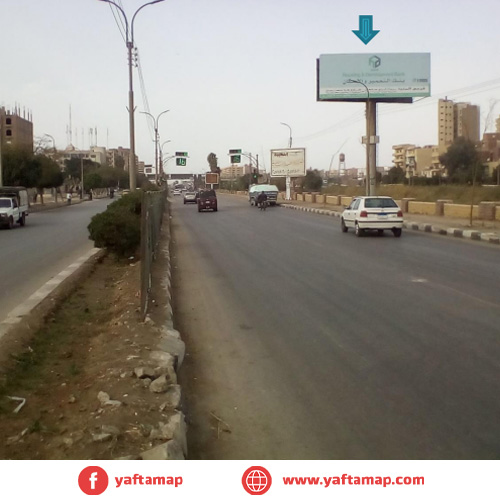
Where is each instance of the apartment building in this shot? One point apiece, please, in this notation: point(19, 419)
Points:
point(16, 130)
point(418, 160)
point(459, 119)
point(120, 158)
point(234, 171)
point(399, 154)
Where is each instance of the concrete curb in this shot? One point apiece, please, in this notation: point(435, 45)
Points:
point(416, 226)
point(169, 342)
point(22, 311)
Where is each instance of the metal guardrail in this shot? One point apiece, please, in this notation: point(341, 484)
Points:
point(152, 211)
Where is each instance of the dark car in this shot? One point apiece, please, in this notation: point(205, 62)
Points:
point(207, 200)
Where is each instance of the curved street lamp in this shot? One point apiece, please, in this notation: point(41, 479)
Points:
point(129, 42)
point(155, 122)
point(290, 138)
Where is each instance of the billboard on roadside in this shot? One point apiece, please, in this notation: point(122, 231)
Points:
point(385, 77)
point(288, 162)
point(211, 178)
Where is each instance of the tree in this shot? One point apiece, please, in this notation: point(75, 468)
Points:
point(396, 175)
point(119, 163)
point(212, 162)
point(462, 162)
point(312, 181)
point(20, 168)
point(51, 175)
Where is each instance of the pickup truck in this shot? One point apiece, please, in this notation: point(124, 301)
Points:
point(270, 190)
point(14, 206)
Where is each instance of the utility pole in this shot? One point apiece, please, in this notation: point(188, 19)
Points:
point(288, 179)
point(81, 178)
point(129, 37)
point(1, 139)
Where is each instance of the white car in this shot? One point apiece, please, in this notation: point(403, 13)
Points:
point(177, 192)
point(372, 213)
point(190, 197)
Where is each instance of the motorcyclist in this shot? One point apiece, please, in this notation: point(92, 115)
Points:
point(261, 199)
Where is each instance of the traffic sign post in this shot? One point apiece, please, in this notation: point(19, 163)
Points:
point(181, 158)
point(235, 155)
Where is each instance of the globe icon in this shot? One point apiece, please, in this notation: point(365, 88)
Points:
point(256, 481)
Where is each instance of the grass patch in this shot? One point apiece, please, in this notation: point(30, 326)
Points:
point(459, 194)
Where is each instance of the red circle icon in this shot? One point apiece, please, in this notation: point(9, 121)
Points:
point(256, 480)
point(93, 480)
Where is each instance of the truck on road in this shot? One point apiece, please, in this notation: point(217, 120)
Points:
point(14, 206)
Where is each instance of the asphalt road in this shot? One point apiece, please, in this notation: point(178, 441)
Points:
point(306, 343)
point(31, 255)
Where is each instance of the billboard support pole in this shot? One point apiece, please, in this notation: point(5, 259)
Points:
point(287, 194)
point(367, 145)
point(372, 146)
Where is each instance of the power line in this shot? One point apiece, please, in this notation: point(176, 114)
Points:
point(118, 20)
point(144, 93)
point(393, 108)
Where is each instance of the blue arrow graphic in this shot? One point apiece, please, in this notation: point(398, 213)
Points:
point(366, 32)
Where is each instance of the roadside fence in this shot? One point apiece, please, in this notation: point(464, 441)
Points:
point(152, 210)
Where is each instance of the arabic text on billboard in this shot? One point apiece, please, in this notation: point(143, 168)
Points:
point(288, 162)
point(344, 76)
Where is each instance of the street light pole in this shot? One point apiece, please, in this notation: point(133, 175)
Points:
point(288, 180)
point(155, 123)
point(161, 157)
point(129, 41)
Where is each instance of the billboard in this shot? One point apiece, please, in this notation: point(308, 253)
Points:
point(211, 178)
point(388, 77)
point(288, 162)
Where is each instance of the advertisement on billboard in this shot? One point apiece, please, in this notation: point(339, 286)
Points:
point(385, 77)
point(211, 178)
point(288, 162)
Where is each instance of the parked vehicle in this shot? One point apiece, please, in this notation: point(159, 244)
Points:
point(190, 197)
point(270, 190)
point(177, 192)
point(14, 206)
point(372, 213)
point(207, 200)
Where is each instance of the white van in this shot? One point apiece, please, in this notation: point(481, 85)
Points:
point(270, 190)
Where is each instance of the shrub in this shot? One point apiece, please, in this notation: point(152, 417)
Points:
point(119, 226)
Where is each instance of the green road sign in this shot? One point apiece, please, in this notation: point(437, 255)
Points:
point(180, 162)
point(235, 151)
point(181, 153)
point(235, 159)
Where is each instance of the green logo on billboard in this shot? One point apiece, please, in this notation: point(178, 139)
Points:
point(374, 61)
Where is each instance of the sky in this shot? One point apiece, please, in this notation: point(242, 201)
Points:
point(230, 72)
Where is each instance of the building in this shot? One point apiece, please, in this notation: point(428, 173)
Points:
point(490, 149)
point(418, 159)
point(234, 171)
point(399, 153)
point(459, 119)
point(95, 153)
point(16, 130)
point(120, 158)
